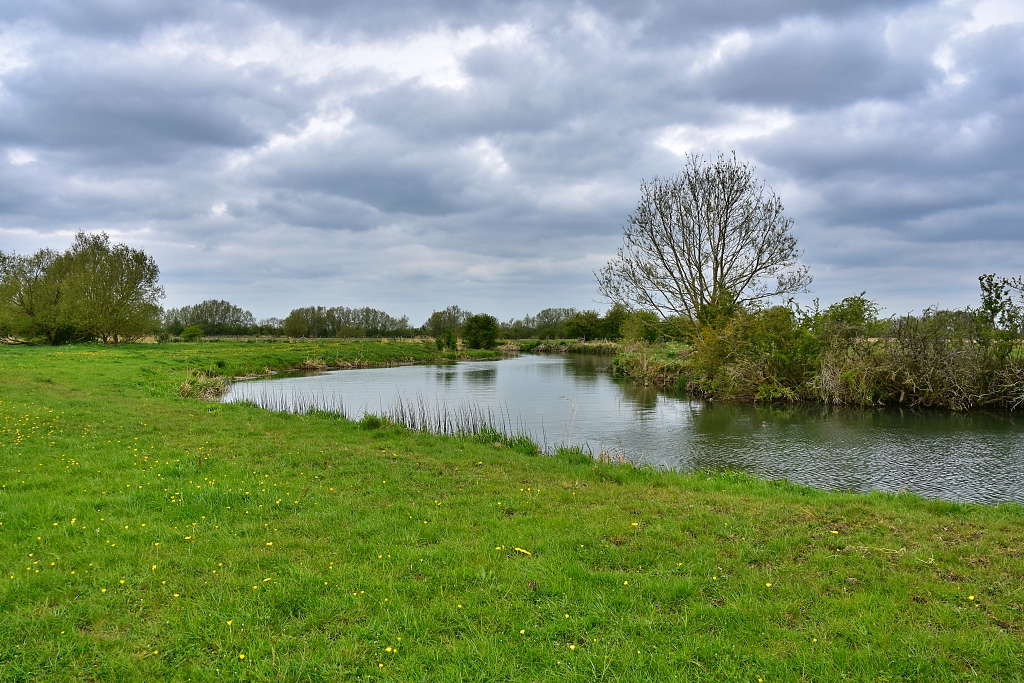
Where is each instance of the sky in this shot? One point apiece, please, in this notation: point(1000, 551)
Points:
point(415, 154)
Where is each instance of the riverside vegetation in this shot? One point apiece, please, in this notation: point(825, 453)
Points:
point(148, 535)
point(845, 354)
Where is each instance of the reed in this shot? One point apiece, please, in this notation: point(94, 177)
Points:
point(418, 414)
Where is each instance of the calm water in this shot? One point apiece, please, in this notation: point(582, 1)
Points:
point(572, 399)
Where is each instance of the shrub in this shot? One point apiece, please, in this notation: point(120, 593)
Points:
point(446, 341)
point(192, 333)
point(480, 331)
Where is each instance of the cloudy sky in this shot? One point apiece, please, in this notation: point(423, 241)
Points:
point(411, 155)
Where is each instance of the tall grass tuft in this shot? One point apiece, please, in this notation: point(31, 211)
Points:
point(203, 384)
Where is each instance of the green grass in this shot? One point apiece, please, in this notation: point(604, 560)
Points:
point(148, 536)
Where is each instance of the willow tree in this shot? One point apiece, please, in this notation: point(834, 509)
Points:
point(709, 239)
point(113, 289)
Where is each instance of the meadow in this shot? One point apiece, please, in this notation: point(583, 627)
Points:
point(144, 535)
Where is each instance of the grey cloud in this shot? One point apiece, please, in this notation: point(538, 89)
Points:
point(821, 66)
point(288, 177)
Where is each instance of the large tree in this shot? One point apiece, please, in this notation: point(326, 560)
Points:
point(705, 240)
point(114, 288)
point(34, 297)
point(92, 290)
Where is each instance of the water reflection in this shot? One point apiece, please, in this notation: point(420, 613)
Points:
point(482, 377)
point(974, 457)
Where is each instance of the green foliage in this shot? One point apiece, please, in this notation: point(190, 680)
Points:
point(613, 321)
point(584, 325)
point(998, 307)
point(480, 331)
point(450, 319)
point(446, 341)
point(318, 322)
point(846, 355)
point(765, 355)
point(371, 421)
point(213, 317)
point(642, 326)
point(93, 290)
point(589, 325)
point(548, 324)
point(192, 333)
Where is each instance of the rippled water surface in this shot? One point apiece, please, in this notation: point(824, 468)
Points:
point(561, 399)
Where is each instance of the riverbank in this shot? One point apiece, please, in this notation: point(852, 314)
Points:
point(595, 347)
point(150, 535)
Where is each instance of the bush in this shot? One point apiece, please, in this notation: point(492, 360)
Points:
point(446, 341)
point(765, 355)
point(480, 332)
point(192, 333)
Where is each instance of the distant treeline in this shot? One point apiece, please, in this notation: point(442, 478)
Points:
point(318, 321)
point(215, 317)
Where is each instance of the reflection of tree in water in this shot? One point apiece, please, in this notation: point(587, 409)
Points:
point(818, 422)
point(637, 395)
point(446, 376)
point(588, 367)
point(482, 377)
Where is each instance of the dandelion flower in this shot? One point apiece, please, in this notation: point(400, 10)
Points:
point(625, 583)
point(230, 621)
point(768, 585)
point(241, 656)
point(970, 597)
point(522, 631)
point(636, 524)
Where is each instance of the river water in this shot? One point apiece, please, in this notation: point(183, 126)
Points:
point(573, 399)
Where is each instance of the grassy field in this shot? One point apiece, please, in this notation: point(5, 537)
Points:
point(148, 536)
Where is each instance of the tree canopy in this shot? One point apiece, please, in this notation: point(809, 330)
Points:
point(213, 316)
point(94, 290)
point(707, 239)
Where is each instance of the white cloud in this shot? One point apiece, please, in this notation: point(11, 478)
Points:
point(745, 124)
point(488, 156)
point(20, 157)
point(729, 46)
point(433, 58)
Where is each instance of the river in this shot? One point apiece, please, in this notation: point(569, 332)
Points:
point(573, 399)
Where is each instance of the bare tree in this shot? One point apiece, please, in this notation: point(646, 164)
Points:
point(706, 239)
